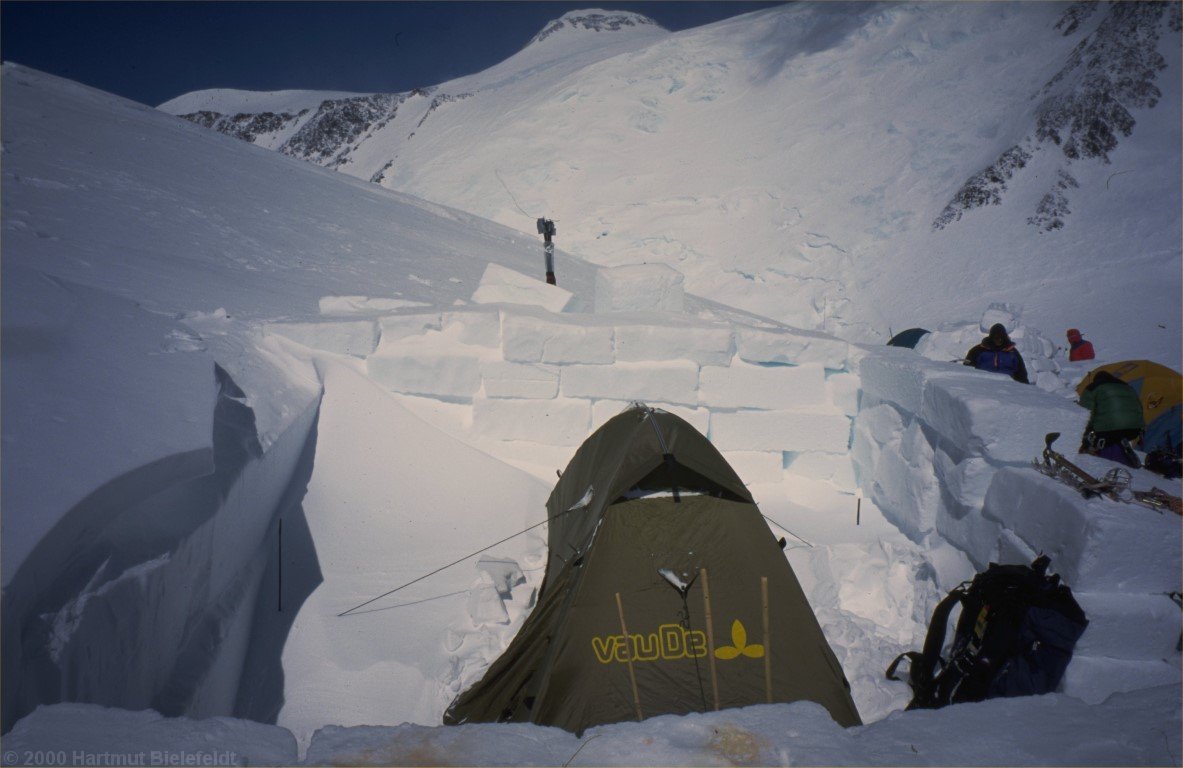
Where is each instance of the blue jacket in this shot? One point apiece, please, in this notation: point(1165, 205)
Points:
point(998, 356)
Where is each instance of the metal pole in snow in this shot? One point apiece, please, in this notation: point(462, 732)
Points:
point(279, 588)
point(767, 640)
point(546, 228)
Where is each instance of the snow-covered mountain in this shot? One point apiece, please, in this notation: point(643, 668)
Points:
point(242, 393)
point(795, 161)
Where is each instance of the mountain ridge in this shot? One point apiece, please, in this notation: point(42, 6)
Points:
point(840, 135)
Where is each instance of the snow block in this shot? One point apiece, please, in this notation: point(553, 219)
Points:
point(905, 486)
point(770, 387)
point(880, 423)
point(842, 389)
point(997, 418)
point(480, 329)
point(999, 313)
point(965, 483)
point(669, 382)
point(485, 604)
point(981, 413)
point(705, 345)
point(699, 418)
point(398, 327)
point(640, 288)
point(978, 537)
point(501, 285)
point(899, 376)
point(531, 339)
point(790, 346)
point(358, 338)
point(504, 572)
point(1092, 679)
point(531, 381)
point(1127, 626)
point(834, 468)
point(757, 466)
point(363, 305)
point(441, 376)
point(822, 429)
point(1096, 545)
point(548, 422)
point(894, 464)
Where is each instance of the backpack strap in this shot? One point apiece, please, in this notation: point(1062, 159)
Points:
point(921, 665)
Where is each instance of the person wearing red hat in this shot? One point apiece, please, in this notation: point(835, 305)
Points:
point(1080, 349)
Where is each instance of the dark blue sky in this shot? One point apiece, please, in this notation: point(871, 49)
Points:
point(153, 51)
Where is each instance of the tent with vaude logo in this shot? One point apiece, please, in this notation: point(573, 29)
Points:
point(665, 592)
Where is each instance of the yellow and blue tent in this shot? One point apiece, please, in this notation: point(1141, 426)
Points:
point(1161, 391)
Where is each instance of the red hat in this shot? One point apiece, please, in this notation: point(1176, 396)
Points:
point(1073, 335)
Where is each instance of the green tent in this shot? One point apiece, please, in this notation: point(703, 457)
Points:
point(665, 592)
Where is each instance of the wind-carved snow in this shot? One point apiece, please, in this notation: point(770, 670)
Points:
point(151, 541)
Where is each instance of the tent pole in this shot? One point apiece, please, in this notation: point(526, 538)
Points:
point(632, 677)
point(767, 641)
point(706, 599)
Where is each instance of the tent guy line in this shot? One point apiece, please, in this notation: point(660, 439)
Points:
point(454, 562)
point(490, 546)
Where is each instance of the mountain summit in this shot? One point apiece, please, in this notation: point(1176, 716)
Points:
point(594, 20)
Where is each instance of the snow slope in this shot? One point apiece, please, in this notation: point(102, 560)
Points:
point(280, 392)
point(139, 253)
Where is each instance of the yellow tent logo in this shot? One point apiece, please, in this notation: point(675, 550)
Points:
point(739, 645)
point(671, 642)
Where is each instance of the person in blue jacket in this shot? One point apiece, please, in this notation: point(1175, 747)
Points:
point(997, 353)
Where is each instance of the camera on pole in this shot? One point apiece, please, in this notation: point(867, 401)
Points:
point(546, 228)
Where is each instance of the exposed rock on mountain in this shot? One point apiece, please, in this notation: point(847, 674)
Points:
point(985, 187)
point(248, 127)
point(595, 21)
point(330, 134)
point(1085, 106)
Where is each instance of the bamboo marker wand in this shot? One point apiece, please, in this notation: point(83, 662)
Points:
point(706, 599)
point(767, 640)
point(628, 646)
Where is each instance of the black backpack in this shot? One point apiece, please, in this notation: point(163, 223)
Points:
point(1015, 637)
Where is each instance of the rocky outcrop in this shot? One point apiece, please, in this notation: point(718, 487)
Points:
point(985, 187)
point(246, 126)
point(1085, 108)
point(594, 22)
point(331, 133)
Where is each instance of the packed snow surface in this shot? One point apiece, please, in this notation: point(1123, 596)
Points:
point(253, 407)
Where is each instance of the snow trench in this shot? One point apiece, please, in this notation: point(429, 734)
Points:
point(160, 589)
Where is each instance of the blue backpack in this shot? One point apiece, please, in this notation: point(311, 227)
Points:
point(999, 361)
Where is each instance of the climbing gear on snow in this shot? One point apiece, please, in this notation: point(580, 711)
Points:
point(1115, 485)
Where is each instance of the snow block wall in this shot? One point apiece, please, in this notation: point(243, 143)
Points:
point(946, 453)
point(530, 385)
point(942, 451)
point(155, 607)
